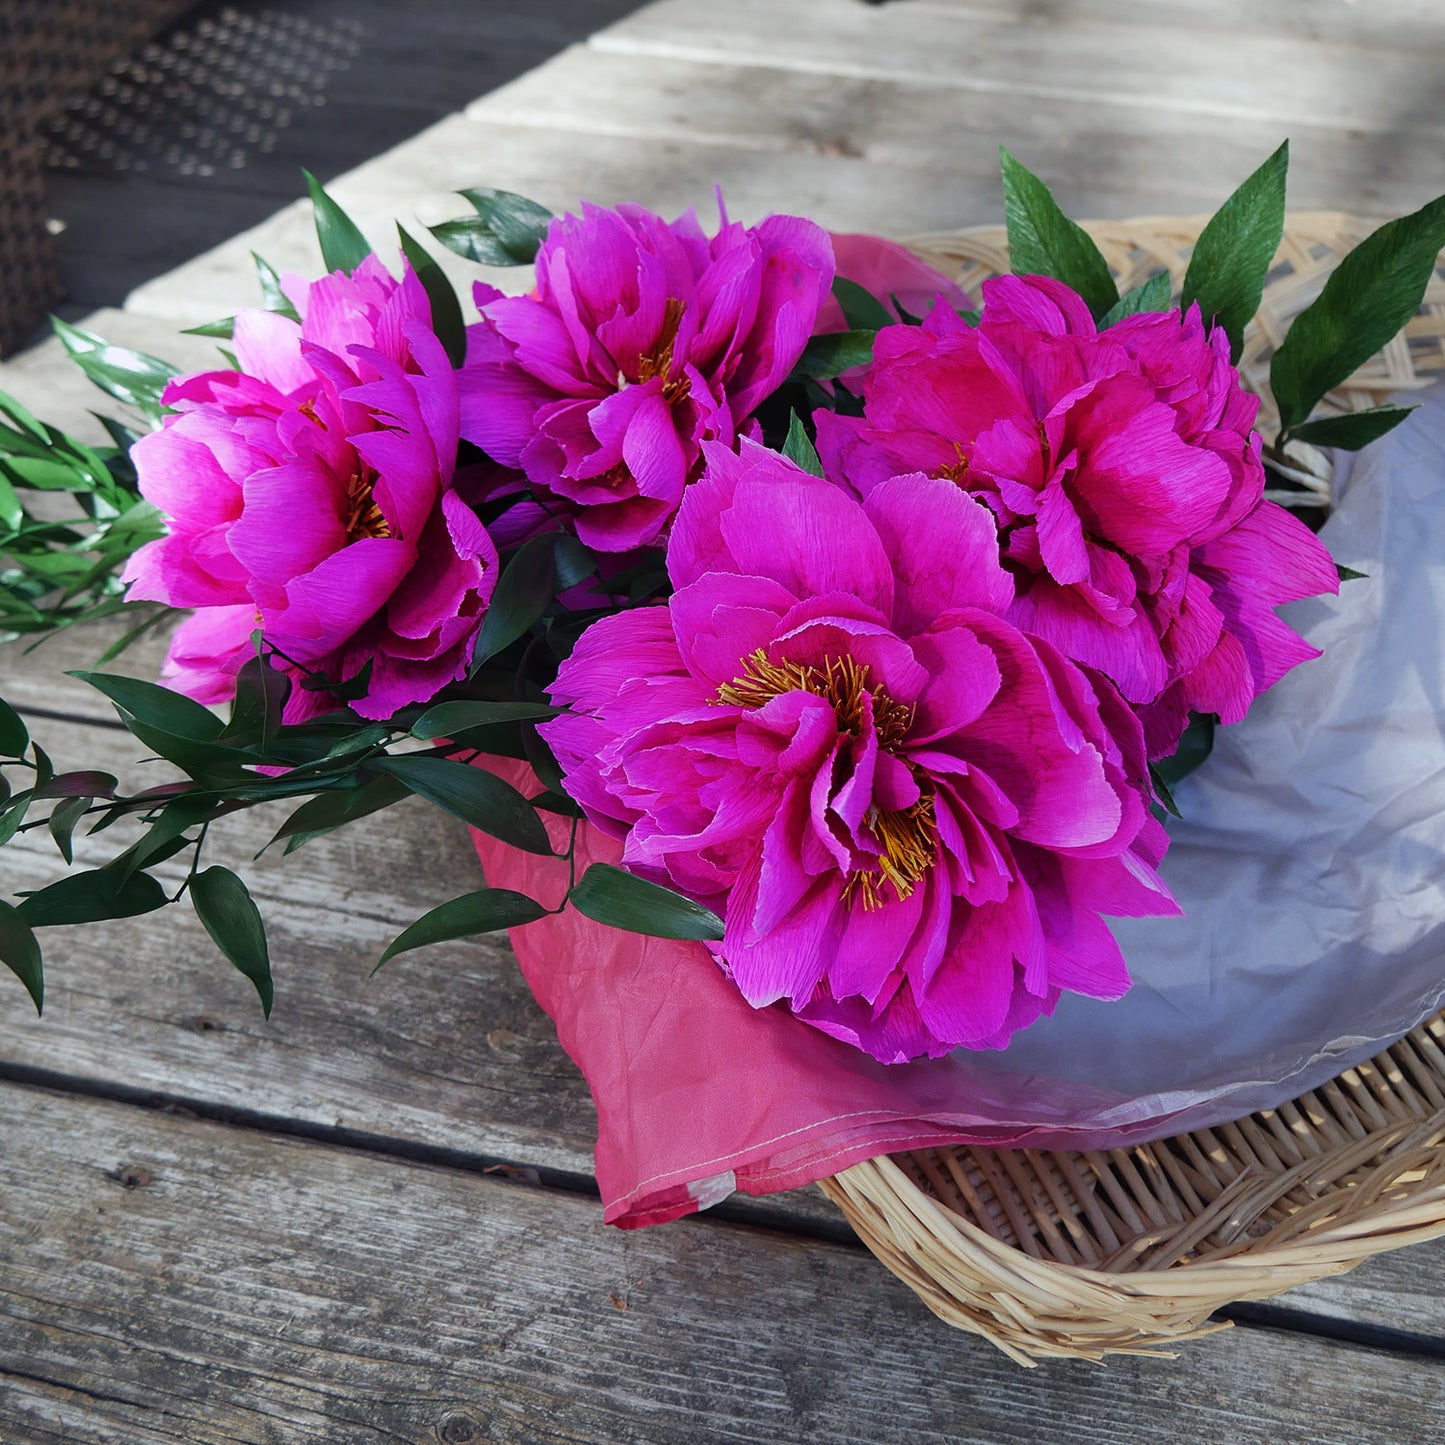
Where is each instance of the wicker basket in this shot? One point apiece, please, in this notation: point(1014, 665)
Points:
point(1082, 1255)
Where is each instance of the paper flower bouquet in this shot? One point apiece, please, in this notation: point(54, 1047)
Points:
point(833, 633)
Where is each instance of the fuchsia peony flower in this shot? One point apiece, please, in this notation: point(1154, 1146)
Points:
point(910, 813)
point(309, 495)
point(1125, 480)
point(642, 341)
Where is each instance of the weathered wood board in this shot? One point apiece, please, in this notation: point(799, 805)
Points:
point(166, 1279)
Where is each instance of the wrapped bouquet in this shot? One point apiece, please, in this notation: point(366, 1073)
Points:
point(834, 635)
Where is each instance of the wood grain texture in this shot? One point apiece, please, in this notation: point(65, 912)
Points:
point(1062, 52)
point(1106, 158)
point(165, 1279)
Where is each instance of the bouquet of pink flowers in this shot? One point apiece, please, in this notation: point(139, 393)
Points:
point(860, 624)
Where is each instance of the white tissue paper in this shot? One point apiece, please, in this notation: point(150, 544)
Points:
point(1310, 861)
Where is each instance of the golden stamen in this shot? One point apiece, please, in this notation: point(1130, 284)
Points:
point(658, 361)
point(364, 518)
point(906, 837)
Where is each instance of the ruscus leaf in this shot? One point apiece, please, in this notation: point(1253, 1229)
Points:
point(524, 592)
point(20, 953)
point(610, 895)
point(447, 719)
point(475, 796)
point(14, 736)
point(229, 914)
point(484, 911)
point(92, 897)
point(446, 311)
point(343, 247)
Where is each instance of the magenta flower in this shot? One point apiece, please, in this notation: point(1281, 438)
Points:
point(642, 341)
point(910, 814)
point(1127, 485)
point(310, 495)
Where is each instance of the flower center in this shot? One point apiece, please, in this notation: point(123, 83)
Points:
point(906, 838)
point(956, 472)
point(363, 516)
point(658, 361)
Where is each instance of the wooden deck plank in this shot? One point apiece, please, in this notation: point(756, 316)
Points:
point(1379, 24)
point(1206, 70)
point(946, 132)
point(167, 1279)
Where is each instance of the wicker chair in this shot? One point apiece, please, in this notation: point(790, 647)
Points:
point(49, 49)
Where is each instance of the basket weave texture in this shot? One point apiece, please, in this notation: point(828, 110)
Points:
point(1128, 1251)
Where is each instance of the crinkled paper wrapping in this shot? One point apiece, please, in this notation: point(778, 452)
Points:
point(1310, 864)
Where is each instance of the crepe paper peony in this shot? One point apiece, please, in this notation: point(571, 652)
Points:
point(1126, 481)
point(642, 341)
point(910, 814)
point(309, 495)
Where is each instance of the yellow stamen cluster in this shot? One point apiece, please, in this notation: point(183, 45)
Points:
point(364, 517)
point(907, 837)
point(658, 361)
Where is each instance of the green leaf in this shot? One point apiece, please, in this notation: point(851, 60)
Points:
point(1150, 295)
point(446, 311)
point(862, 310)
point(225, 328)
point(1161, 791)
point(574, 562)
point(164, 838)
point(273, 298)
point(63, 818)
point(343, 247)
point(829, 356)
point(508, 230)
point(543, 761)
point(1044, 242)
point(1370, 295)
point(610, 895)
point(156, 706)
point(20, 953)
point(92, 897)
point(328, 811)
point(484, 911)
point(799, 449)
point(1348, 574)
point(447, 719)
point(130, 376)
point(1352, 431)
point(12, 815)
point(475, 796)
point(14, 736)
point(261, 693)
point(229, 914)
point(1196, 743)
point(84, 784)
point(524, 592)
point(1236, 249)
